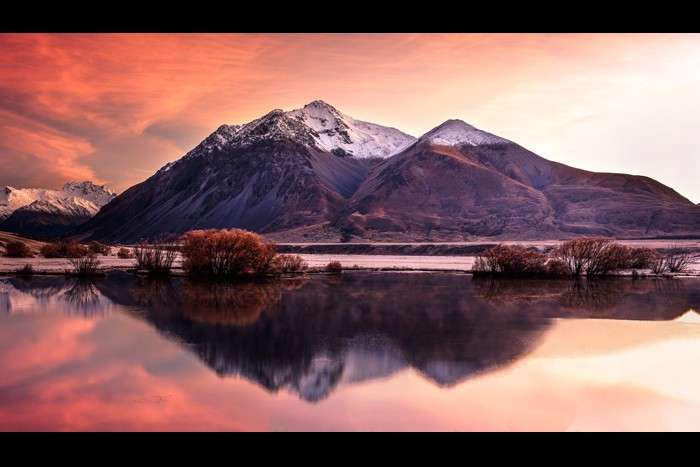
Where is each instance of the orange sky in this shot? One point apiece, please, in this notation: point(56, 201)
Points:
point(115, 107)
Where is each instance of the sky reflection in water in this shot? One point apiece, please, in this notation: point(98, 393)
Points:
point(355, 352)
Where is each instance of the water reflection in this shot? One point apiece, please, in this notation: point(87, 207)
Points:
point(71, 295)
point(310, 336)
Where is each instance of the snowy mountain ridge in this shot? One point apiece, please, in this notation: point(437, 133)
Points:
point(318, 125)
point(85, 198)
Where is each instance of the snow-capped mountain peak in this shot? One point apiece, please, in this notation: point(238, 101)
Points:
point(318, 125)
point(459, 133)
point(334, 131)
point(99, 195)
point(82, 196)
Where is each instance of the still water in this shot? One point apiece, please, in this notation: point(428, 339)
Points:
point(359, 351)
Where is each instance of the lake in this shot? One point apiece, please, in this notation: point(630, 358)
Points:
point(356, 351)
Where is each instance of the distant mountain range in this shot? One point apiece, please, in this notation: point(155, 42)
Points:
point(316, 174)
point(40, 212)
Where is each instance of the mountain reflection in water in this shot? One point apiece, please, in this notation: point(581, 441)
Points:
point(309, 335)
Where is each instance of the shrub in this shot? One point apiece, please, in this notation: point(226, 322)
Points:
point(582, 254)
point(98, 248)
point(678, 259)
point(642, 258)
point(64, 249)
point(334, 267)
point(124, 253)
point(226, 252)
point(156, 259)
point(288, 263)
point(85, 265)
point(17, 249)
point(26, 270)
point(511, 260)
point(659, 265)
point(557, 267)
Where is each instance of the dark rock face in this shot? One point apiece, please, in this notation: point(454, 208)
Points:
point(310, 174)
point(264, 187)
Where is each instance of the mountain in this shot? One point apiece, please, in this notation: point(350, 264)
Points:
point(457, 182)
point(43, 213)
point(316, 174)
point(282, 171)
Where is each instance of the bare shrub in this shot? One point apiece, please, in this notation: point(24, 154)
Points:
point(659, 265)
point(334, 267)
point(64, 249)
point(288, 263)
point(511, 260)
point(99, 248)
point(226, 252)
point(678, 259)
point(124, 253)
point(18, 249)
point(611, 257)
point(85, 265)
point(155, 259)
point(582, 254)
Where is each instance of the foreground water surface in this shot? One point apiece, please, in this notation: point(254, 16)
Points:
point(358, 351)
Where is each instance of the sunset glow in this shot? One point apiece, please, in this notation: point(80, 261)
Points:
point(115, 107)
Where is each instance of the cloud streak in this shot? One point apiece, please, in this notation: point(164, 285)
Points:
point(116, 107)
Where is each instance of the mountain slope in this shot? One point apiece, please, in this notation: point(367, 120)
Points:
point(315, 174)
point(43, 213)
point(277, 172)
point(459, 183)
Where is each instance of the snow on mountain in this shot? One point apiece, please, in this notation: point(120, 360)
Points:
point(335, 130)
point(318, 125)
point(458, 133)
point(99, 195)
point(75, 197)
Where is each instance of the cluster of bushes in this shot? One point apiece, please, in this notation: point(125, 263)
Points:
point(64, 249)
point(589, 256)
point(18, 249)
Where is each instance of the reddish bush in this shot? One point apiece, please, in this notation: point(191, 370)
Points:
point(510, 260)
point(288, 263)
point(557, 267)
point(17, 249)
point(124, 253)
point(642, 258)
point(64, 249)
point(226, 252)
point(582, 254)
point(334, 267)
